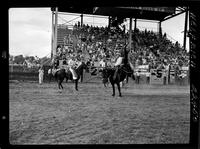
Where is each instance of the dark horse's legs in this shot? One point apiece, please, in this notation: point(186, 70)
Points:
point(60, 84)
point(104, 84)
point(81, 75)
point(118, 85)
point(76, 84)
point(76, 81)
point(126, 78)
point(113, 86)
point(50, 75)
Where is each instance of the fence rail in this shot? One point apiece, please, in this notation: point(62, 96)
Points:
point(142, 76)
point(24, 73)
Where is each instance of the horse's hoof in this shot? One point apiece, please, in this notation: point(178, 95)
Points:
point(120, 95)
point(113, 95)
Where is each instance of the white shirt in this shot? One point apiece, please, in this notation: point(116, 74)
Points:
point(49, 71)
point(71, 63)
point(78, 63)
point(148, 74)
point(119, 61)
point(137, 73)
point(41, 71)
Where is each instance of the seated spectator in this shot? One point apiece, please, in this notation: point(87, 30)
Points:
point(64, 61)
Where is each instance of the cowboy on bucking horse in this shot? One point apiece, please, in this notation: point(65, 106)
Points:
point(121, 59)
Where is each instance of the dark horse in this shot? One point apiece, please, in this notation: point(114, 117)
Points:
point(61, 74)
point(108, 73)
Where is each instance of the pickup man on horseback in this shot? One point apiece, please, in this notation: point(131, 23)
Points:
point(121, 70)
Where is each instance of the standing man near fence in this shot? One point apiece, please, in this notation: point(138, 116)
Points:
point(148, 77)
point(137, 77)
point(41, 74)
point(50, 75)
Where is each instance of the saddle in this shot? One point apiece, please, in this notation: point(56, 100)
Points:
point(54, 71)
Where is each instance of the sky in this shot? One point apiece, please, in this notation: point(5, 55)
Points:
point(30, 29)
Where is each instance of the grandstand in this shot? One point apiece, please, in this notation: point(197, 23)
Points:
point(62, 32)
point(94, 43)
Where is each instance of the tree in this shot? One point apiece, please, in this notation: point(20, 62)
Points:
point(30, 58)
point(11, 57)
point(45, 61)
point(19, 59)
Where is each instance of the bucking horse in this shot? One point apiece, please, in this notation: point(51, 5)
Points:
point(61, 74)
point(123, 72)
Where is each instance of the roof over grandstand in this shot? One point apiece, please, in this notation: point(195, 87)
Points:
point(148, 13)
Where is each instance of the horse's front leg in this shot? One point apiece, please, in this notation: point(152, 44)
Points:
point(61, 85)
point(104, 84)
point(133, 76)
point(127, 79)
point(81, 77)
point(66, 79)
point(58, 85)
point(113, 86)
point(76, 84)
point(122, 83)
point(119, 89)
point(49, 78)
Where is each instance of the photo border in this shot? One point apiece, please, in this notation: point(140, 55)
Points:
point(194, 19)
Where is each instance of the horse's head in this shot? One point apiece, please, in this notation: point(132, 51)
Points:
point(83, 66)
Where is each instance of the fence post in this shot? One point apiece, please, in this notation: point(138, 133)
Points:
point(164, 75)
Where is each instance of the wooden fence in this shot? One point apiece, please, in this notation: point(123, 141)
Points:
point(156, 76)
point(24, 73)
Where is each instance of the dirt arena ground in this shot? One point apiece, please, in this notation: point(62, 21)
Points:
point(146, 114)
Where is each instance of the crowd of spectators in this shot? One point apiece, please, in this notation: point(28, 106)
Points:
point(157, 51)
point(96, 44)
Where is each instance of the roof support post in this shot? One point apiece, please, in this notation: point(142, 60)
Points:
point(130, 33)
point(109, 21)
point(135, 24)
point(185, 30)
point(75, 48)
point(52, 35)
point(55, 34)
point(160, 29)
point(81, 20)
